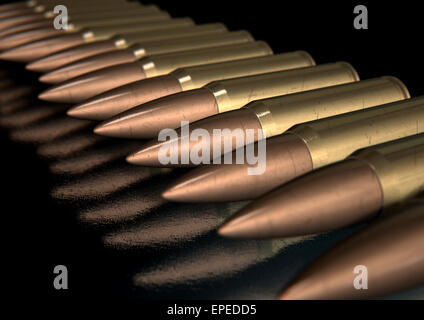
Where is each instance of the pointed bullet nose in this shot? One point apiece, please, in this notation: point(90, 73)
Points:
point(42, 65)
point(19, 20)
point(117, 127)
point(291, 293)
point(106, 129)
point(65, 73)
point(147, 120)
point(53, 95)
point(39, 49)
point(8, 55)
point(91, 84)
point(22, 38)
point(51, 78)
point(145, 157)
point(239, 228)
point(69, 56)
point(97, 62)
point(173, 193)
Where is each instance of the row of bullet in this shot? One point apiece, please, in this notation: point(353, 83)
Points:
point(339, 150)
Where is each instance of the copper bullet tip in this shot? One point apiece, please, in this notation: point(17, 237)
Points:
point(93, 83)
point(115, 101)
point(68, 56)
point(90, 64)
point(50, 77)
point(21, 38)
point(146, 156)
point(286, 158)
point(232, 120)
point(7, 55)
point(146, 121)
point(314, 203)
point(173, 193)
point(38, 49)
point(11, 22)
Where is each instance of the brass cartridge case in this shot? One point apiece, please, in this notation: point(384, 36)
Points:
point(278, 114)
point(115, 23)
point(333, 139)
point(102, 32)
point(198, 76)
point(233, 94)
point(124, 98)
point(177, 28)
point(190, 43)
point(399, 164)
point(165, 63)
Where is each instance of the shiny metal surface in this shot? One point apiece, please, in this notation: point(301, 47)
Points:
point(336, 196)
point(96, 82)
point(133, 94)
point(390, 248)
point(218, 97)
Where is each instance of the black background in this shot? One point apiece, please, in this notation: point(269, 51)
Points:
point(39, 234)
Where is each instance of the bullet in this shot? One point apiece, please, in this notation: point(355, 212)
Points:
point(391, 250)
point(177, 28)
point(18, 39)
point(117, 100)
point(6, 24)
point(93, 35)
point(347, 192)
point(8, 20)
point(93, 83)
point(217, 98)
point(148, 48)
point(74, 36)
point(286, 155)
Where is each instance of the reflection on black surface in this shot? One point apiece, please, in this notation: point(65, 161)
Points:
point(216, 267)
point(48, 130)
point(102, 182)
point(130, 204)
point(93, 158)
point(170, 225)
point(218, 257)
point(12, 107)
point(70, 144)
point(31, 114)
